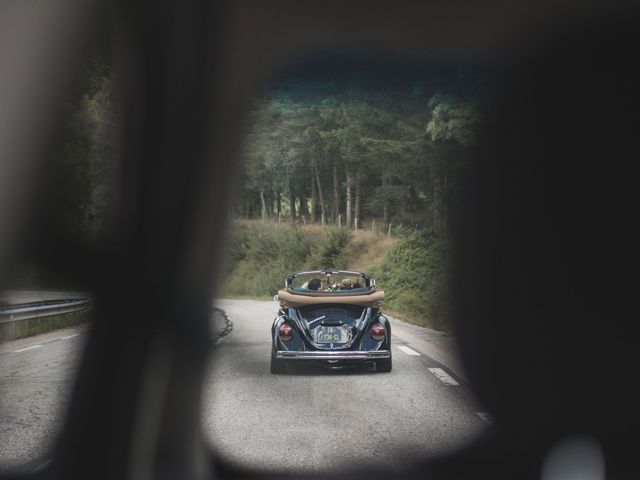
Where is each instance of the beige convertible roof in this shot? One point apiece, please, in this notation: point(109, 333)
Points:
point(290, 298)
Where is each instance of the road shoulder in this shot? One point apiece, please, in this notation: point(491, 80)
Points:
point(440, 346)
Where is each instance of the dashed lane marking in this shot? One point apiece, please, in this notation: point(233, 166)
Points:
point(408, 351)
point(27, 348)
point(70, 336)
point(486, 417)
point(443, 376)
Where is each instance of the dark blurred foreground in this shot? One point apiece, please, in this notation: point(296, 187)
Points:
point(545, 239)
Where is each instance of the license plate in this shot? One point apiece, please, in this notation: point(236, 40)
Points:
point(332, 335)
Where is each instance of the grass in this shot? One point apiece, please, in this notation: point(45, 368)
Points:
point(412, 267)
point(368, 249)
point(415, 274)
point(260, 255)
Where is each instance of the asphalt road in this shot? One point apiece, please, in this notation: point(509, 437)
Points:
point(307, 420)
point(312, 419)
point(36, 376)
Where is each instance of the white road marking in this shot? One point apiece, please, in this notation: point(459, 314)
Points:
point(27, 348)
point(443, 376)
point(408, 351)
point(486, 417)
point(69, 336)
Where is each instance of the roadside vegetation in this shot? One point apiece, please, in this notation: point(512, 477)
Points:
point(337, 146)
point(350, 161)
point(411, 265)
point(415, 275)
point(260, 255)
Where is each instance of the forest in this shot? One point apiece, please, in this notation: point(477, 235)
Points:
point(342, 142)
point(355, 140)
point(356, 143)
point(346, 139)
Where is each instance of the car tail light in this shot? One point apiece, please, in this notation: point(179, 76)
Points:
point(286, 332)
point(377, 331)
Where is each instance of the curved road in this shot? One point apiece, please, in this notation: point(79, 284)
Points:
point(312, 419)
point(307, 420)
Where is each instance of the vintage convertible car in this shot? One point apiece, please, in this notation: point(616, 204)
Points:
point(330, 317)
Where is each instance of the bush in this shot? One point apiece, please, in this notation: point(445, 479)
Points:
point(414, 272)
point(236, 247)
point(260, 255)
point(415, 275)
point(332, 250)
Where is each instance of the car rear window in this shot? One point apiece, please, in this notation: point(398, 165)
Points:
point(346, 314)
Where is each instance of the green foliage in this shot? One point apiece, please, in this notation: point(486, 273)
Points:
point(259, 255)
point(401, 150)
point(89, 154)
point(453, 120)
point(415, 276)
point(83, 172)
point(279, 246)
point(408, 152)
point(236, 248)
point(414, 272)
point(332, 250)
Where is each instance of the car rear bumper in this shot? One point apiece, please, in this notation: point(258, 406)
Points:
point(339, 355)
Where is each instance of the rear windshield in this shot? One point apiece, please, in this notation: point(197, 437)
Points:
point(329, 282)
point(346, 314)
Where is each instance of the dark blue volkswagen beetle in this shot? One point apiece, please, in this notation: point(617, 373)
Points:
point(333, 318)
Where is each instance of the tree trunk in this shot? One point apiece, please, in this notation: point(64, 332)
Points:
point(358, 217)
point(264, 206)
point(278, 205)
point(385, 198)
point(323, 207)
point(348, 199)
point(304, 207)
point(271, 205)
point(444, 212)
point(436, 202)
point(314, 199)
point(292, 205)
point(336, 193)
point(435, 195)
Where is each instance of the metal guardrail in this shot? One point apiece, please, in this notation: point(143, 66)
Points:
point(44, 308)
point(49, 308)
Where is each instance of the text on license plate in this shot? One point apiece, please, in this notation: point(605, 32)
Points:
point(332, 335)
